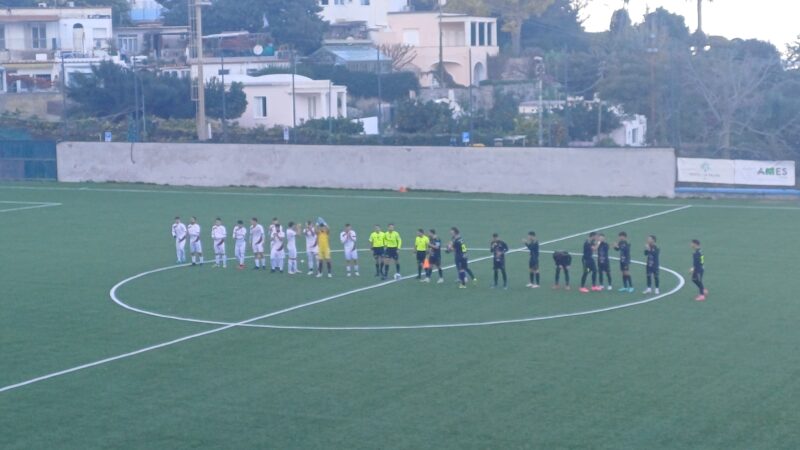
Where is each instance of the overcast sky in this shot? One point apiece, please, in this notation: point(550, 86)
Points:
point(776, 21)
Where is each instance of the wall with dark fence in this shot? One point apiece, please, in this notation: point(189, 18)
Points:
point(28, 160)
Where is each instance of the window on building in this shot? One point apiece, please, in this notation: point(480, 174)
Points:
point(473, 34)
point(2, 37)
point(128, 44)
point(634, 136)
point(323, 2)
point(39, 36)
point(100, 36)
point(489, 34)
point(481, 34)
point(261, 107)
point(364, 2)
point(338, 2)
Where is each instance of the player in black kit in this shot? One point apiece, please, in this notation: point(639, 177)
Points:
point(499, 249)
point(434, 255)
point(603, 263)
point(532, 243)
point(563, 260)
point(589, 265)
point(653, 254)
point(698, 270)
point(624, 249)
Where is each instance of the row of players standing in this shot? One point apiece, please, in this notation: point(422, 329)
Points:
point(386, 246)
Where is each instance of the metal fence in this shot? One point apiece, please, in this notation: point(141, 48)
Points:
point(28, 160)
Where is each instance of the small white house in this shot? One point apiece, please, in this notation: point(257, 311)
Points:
point(632, 131)
point(272, 101)
point(372, 12)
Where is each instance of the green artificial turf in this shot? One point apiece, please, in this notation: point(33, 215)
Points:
point(672, 373)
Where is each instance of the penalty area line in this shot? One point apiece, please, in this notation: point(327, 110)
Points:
point(282, 311)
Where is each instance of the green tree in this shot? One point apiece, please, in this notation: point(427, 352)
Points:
point(294, 23)
point(108, 92)
point(512, 14)
point(417, 117)
point(558, 28)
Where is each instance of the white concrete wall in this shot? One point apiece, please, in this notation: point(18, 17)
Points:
point(551, 171)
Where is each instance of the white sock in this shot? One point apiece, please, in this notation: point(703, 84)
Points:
point(201, 259)
point(348, 269)
point(224, 259)
point(355, 268)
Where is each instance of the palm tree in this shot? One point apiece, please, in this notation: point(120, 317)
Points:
point(700, 16)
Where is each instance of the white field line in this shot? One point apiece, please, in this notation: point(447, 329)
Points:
point(681, 283)
point(115, 298)
point(279, 312)
point(30, 205)
point(348, 196)
point(588, 201)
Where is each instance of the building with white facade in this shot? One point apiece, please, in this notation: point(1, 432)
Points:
point(372, 12)
point(467, 42)
point(272, 101)
point(34, 41)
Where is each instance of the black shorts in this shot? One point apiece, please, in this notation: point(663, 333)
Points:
point(461, 263)
point(499, 264)
point(533, 263)
point(391, 253)
point(589, 265)
point(377, 251)
point(604, 267)
point(435, 260)
point(698, 276)
point(421, 256)
point(624, 266)
point(652, 270)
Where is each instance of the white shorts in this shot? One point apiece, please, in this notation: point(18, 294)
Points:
point(351, 255)
point(312, 251)
point(258, 248)
point(180, 244)
point(219, 247)
point(292, 253)
point(275, 253)
point(195, 246)
point(239, 248)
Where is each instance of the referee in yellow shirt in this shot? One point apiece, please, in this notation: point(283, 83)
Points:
point(393, 244)
point(376, 240)
point(421, 249)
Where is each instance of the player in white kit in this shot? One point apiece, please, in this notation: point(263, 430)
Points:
point(291, 247)
point(312, 247)
point(179, 233)
point(277, 248)
point(239, 242)
point(257, 242)
point(218, 234)
point(348, 238)
point(195, 246)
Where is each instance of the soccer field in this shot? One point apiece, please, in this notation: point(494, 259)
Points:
point(106, 343)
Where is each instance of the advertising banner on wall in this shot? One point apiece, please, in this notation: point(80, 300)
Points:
point(764, 173)
point(702, 170)
point(739, 171)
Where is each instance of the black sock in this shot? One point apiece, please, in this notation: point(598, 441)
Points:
point(441, 275)
point(658, 281)
point(558, 274)
point(329, 266)
point(594, 278)
point(608, 275)
point(419, 270)
point(531, 277)
point(649, 280)
point(397, 268)
point(495, 276)
point(566, 276)
point(469, 272)
point(601, 277)
point(537, 278)
point(377, 269)
point(584, 277)
point(505, 277)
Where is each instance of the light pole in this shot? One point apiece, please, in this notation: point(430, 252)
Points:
point(294, 91)
point(378, 71)
point(222, 72)
point(540, 74)
point(441, 47)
